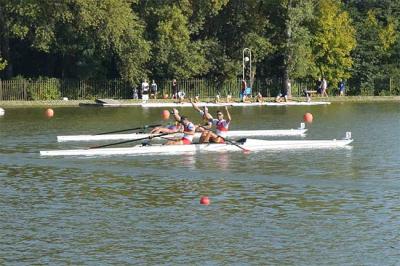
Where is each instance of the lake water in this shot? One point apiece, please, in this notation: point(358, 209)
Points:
point(304, 207)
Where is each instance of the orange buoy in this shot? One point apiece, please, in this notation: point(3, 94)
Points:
point(165, 114)
point(49, 113)
point(205, 201)
point(308, 117)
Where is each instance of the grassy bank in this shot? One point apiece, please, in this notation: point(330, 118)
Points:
point(75, 103)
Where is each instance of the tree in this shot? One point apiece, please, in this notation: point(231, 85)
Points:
point(83, 38)
point(175, 54)
point(292, 39)
point(334, 40)
point(239, 25)
point(377, 52)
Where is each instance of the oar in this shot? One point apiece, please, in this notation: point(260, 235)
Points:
point(128, 129)
point(229, 141)
point(131, 140)
point(235, 144)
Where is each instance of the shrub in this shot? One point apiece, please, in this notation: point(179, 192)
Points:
point(44, 88)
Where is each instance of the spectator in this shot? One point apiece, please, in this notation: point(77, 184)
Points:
point(284, 93)
point(135, 93)
point(259, 97)
point(228, 98)
point(153, 90)
point(140, 91)
point(307, 94)
point(174, 89)
point(324, 87)
point(319, 86)
point(181, 96)
point(145, 90)
point(341, 88)
point(217, 98)
point(243, 90)
point(281, 95)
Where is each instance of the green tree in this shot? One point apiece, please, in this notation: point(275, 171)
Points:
point(291, 37)
point(234, 29)
point(334, 40)
point(175, 54)
point(378, 49)
point(85, 37)
point(176, 30)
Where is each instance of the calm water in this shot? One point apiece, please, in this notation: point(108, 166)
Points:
point(308, 207)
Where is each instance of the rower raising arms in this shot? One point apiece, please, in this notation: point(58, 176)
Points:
point(222, 126)
point(204, 115)
point(188, 130)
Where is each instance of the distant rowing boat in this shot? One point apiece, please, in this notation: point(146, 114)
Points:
point(248, 144)
point(233, 133)
point(200, 104)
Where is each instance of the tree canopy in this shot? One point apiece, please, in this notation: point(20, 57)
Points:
point(137, 39)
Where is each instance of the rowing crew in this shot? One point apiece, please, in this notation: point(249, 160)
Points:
point(182, 124)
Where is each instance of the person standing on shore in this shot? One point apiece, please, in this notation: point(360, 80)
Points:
point(341, 88)
point(324, 87)
point(174, 89)
point(153, 90)
point(145, 90)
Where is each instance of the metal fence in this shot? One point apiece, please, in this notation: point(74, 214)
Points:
point(54, 89)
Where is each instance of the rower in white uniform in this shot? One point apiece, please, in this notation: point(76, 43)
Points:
point(205, 116)
point(188, 130)
point(221, 125)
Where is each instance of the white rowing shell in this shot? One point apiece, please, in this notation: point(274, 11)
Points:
point(233, 133)
point(249, 144)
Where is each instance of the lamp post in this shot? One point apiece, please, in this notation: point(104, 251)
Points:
point(246, 61)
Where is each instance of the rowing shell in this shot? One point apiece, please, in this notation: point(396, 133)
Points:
point(200, 104)
point(248, 144)
point(233, 133)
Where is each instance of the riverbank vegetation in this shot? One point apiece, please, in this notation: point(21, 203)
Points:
point(131, 40)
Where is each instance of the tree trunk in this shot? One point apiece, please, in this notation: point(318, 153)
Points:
point(287, 88)
point(287, 56)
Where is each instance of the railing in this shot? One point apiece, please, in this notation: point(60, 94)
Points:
point(54, 89)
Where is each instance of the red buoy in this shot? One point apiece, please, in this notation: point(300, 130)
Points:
point(165, 114)
point(308, 117)
point(49, 113)
point(205, 201)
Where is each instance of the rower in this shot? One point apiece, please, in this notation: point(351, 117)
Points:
point(221, 125)
point(207, 124)
point(167, 129)
point(188, 130)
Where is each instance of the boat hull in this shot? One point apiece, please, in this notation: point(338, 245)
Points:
point(201, 104)
point(249, 144)
point(235, 133)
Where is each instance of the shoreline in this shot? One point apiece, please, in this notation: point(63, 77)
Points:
point(75, 103)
